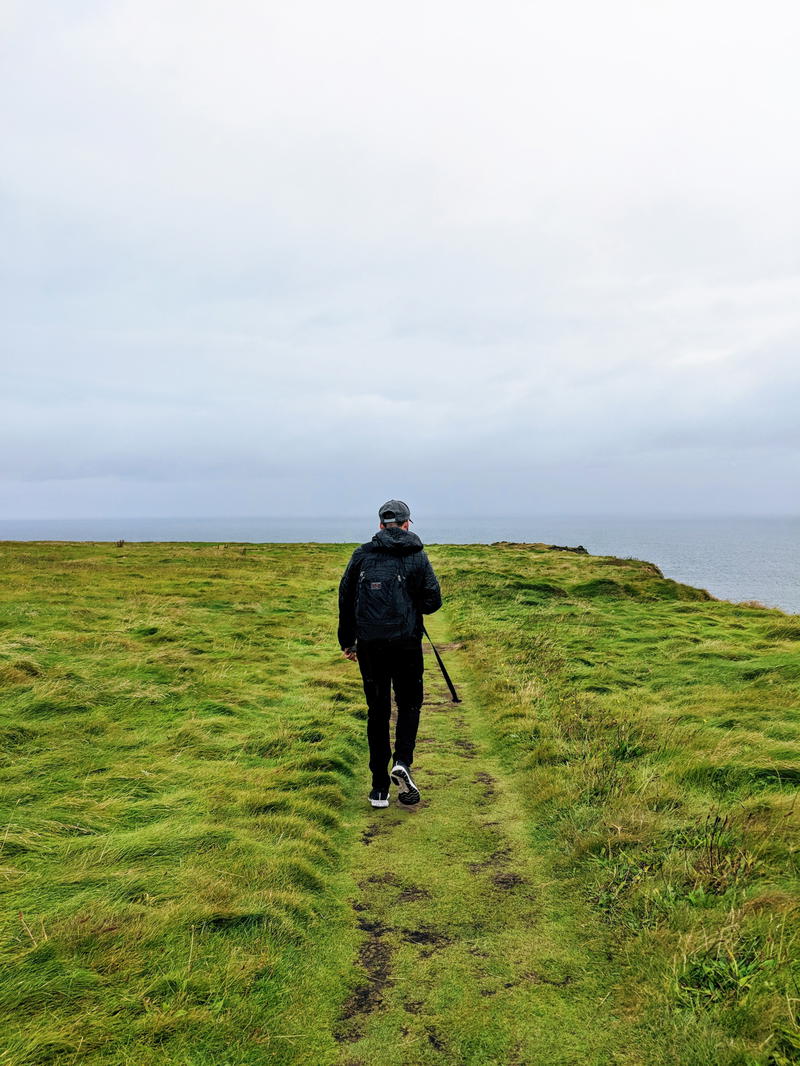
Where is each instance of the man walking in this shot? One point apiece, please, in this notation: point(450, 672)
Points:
point(388, 585)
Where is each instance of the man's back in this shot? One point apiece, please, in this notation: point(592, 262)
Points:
point(388, 573)
point(389, 584)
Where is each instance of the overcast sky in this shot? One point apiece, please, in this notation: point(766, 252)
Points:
point(295, 258)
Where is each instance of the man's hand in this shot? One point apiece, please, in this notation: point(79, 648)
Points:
point(351, 654)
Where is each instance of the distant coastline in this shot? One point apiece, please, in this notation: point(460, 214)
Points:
point(737, 559)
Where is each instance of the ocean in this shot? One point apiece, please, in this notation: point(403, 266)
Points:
point(733, 558)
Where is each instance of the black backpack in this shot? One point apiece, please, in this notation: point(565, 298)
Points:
point(384, 607)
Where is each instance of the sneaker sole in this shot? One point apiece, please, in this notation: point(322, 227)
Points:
point(379, 803)
point(408, 793)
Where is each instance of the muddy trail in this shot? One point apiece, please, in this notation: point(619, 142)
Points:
point(471, 952)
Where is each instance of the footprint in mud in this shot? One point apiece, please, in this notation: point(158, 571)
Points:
point(435, 1040)
point(413, 893)
point(373, 830)
point(430, 939)
point(409, 892)
point(488, 782)
point(497, 860)
point(375, 959)
point(466, 749)
point(508, 879)
point(388, 877)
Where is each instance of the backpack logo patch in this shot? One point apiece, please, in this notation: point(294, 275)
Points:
point(374, 584)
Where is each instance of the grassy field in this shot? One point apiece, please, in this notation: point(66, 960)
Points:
point(654, 734)
point(604, 868)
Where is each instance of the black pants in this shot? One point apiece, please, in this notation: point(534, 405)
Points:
point(385, 665)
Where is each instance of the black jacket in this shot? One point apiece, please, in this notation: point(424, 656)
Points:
point(421, 581)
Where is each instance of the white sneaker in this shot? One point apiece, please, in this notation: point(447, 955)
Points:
point(407, 791)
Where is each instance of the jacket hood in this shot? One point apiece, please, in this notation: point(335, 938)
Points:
point(398, 541)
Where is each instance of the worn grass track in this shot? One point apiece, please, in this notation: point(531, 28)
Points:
point(471, 954)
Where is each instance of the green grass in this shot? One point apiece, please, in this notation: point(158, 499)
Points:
point(604, 868)
point(178, 744)
point(655, 733)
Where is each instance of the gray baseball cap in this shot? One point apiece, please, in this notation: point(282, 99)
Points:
point(394, 511)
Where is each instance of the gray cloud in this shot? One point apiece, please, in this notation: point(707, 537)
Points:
point(264, 257)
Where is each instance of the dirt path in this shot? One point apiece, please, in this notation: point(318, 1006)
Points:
point(471, 953)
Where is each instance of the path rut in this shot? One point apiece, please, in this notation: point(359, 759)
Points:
point(471, 952)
